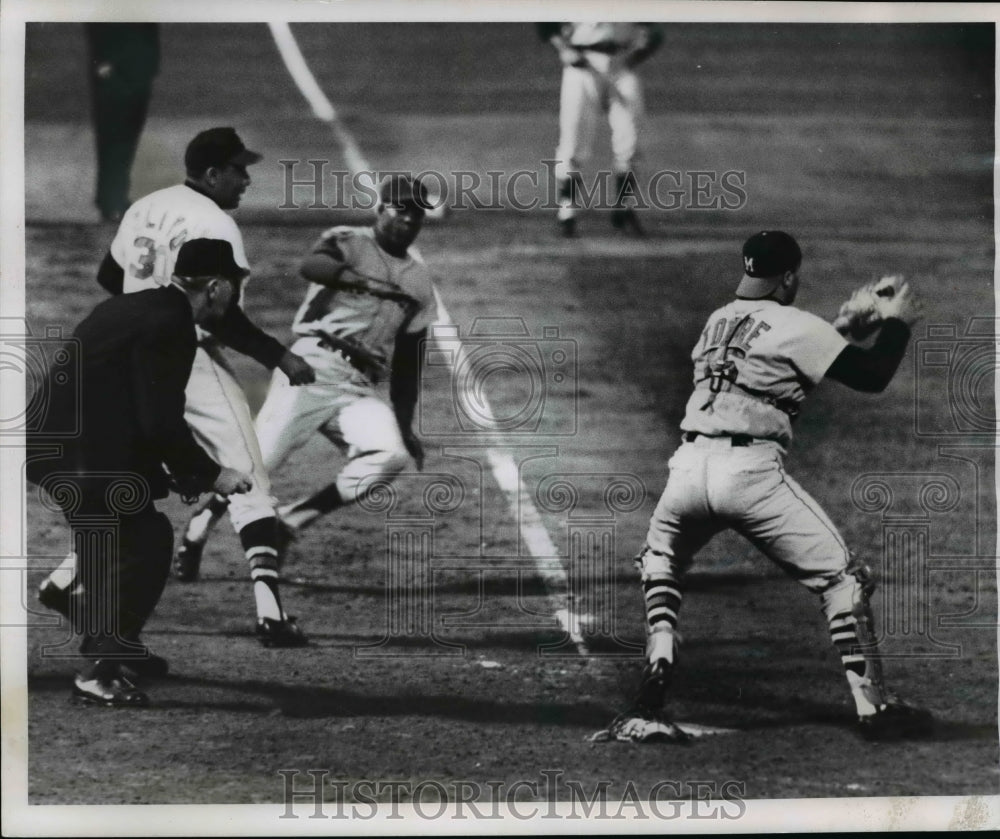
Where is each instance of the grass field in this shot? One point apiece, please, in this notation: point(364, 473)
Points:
point(873, 145)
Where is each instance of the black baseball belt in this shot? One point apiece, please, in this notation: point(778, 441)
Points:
point(734, 439)
point(607, 47)
point(367, 363)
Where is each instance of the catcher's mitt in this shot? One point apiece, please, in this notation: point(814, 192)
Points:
point(866, 308)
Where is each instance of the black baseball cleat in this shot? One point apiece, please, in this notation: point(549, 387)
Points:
point(187, 561)
point(625, 218)
point(653, 687)
point(150, 666)
point(896, 721)
point(567, 228)
point(54, 598)
point(280, 633)
point(111, 691)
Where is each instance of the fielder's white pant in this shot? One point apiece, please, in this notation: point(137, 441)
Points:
point(714, 485)
point(216, 409)
point(605, 85)
point(341, 404)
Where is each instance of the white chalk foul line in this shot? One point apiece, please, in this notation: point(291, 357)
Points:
point(533, 532)
point(323, 109)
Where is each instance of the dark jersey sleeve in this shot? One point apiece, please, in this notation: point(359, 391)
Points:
point(160, 368)
point(872, 369)
point(111, 275)
point(404, 382)
point(238, 332)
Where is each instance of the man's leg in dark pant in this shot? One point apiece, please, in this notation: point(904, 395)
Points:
point(124, 579)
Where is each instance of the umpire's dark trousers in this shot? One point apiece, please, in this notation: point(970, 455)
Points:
point(123, 546)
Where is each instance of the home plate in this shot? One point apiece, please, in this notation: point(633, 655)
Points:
point(698, 730)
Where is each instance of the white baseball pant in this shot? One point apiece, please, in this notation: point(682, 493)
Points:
point(342, 405)
point(216, 409)
point(714, 485)
point(605, 85)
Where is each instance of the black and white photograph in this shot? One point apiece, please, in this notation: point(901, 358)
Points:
point(483, 418)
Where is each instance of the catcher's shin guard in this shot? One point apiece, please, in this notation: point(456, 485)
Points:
point(846, 605)
point(661, 588)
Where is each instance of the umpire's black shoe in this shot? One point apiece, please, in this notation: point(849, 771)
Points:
point(150, 666)
point(896, 721)
point(54, 598)
point(111, 691)
point(187, 561)
point(280, 633)
point(653, 688)
point(625, 218)
point(567, 228)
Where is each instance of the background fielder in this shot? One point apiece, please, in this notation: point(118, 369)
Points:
point(368, 307)
point(142, 256)
point(599, 61)
point(756, 361)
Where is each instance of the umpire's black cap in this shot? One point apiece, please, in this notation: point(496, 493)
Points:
point(217, 147)
point(203, 259)
point(766, 257)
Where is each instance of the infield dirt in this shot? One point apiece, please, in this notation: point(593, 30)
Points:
point(872, 144)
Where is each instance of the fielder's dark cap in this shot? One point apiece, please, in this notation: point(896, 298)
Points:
point(401, 190)
point(202, 259)
point(217, 147)
point(766, 257)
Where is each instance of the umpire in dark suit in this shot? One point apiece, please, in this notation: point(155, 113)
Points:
point(136, 352)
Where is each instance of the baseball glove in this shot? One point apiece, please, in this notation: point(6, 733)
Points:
point(641, 727)
point(867, 307)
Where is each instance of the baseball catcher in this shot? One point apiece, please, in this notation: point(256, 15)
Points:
point(757, 359)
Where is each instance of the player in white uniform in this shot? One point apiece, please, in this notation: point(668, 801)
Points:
point(368, 307)
point(757, 359)
point(599, 61)
point(142, 256)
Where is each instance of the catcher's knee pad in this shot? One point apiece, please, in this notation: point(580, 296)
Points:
point(847, 606)
point(654, 564)
point(248, 507)
point(850, 591)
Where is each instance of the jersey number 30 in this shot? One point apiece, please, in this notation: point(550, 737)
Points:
point(151, 259)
